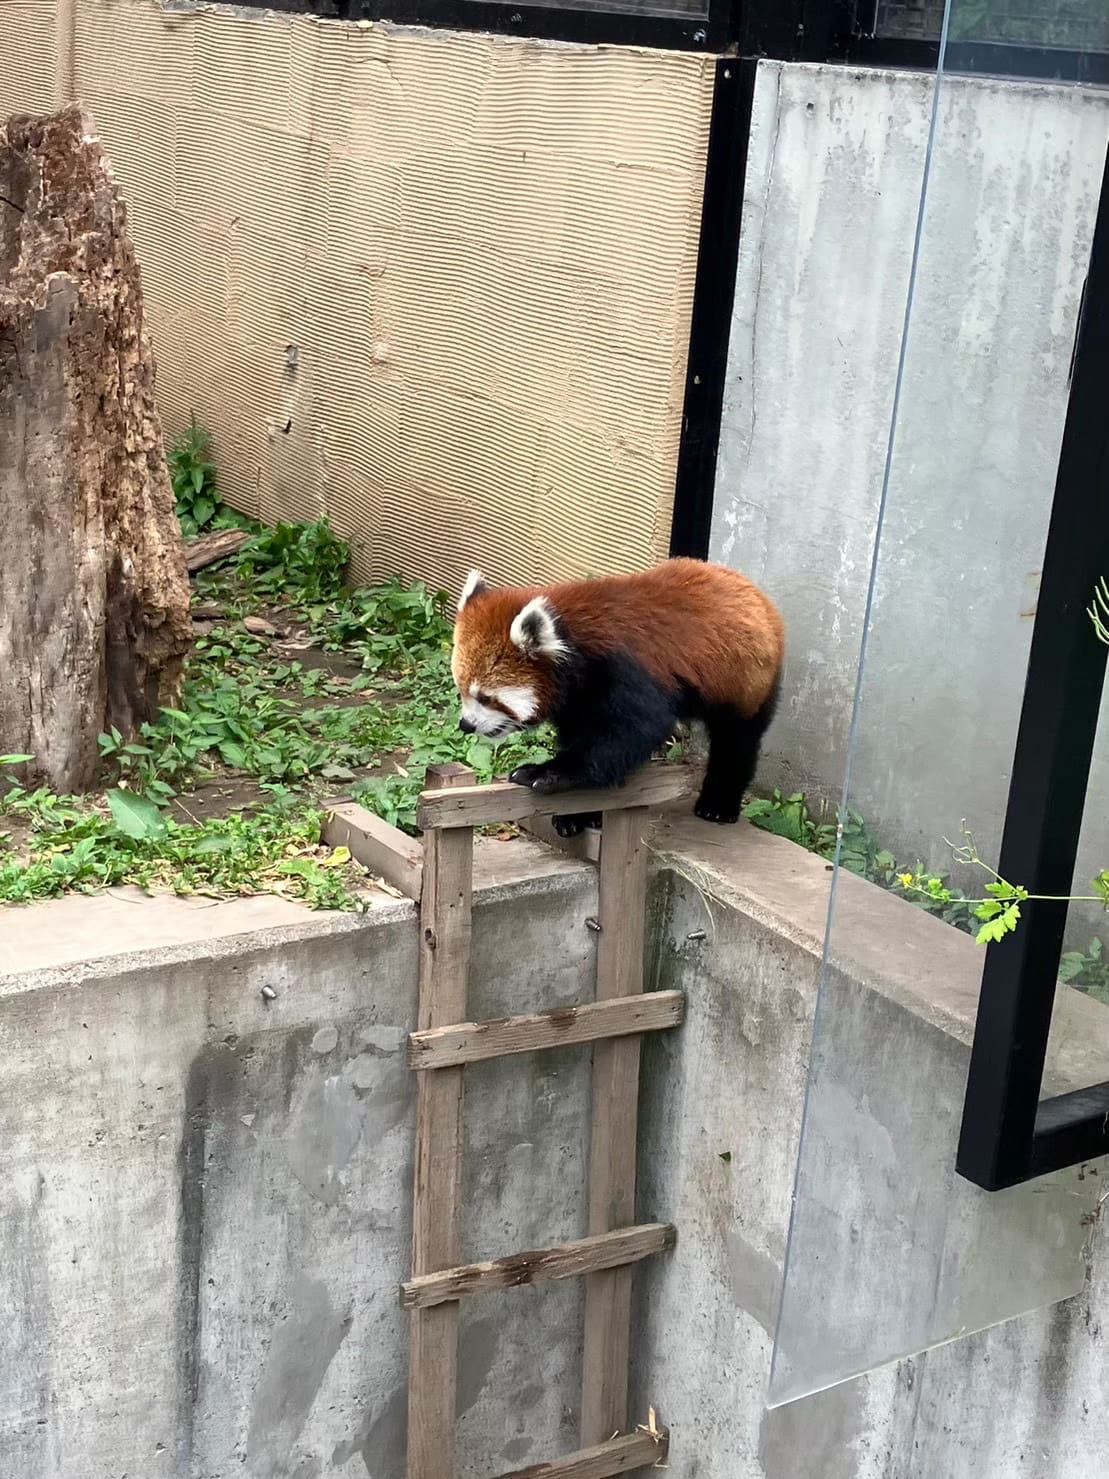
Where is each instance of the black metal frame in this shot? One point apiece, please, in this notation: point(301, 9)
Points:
point(1009, 1134)
point(713, 294)
point(712, 32)
point(843, 31)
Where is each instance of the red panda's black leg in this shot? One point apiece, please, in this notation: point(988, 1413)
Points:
point(575, 825)
point(733, 754)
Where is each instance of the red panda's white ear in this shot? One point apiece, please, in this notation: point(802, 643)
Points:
point(475, 584)
point(535, 630)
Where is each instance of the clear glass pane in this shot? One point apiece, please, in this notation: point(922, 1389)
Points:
point(1078, 25)
point(890, 1252)
point(1078, 1049)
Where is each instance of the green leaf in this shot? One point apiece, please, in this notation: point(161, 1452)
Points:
point(1072, 964)
point(1000, 926)
point(213, 844)
point(15, 759)
point(203, 509)
point(135, 816)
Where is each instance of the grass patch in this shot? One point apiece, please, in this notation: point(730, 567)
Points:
point(297, 690)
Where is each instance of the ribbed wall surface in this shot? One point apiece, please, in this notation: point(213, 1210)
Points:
point(435, 285)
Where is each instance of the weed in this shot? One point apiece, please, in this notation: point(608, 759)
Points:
point(1087, 970)
point(193, 476)
point(304, 564)
point(860, 853)
point(275, 851)
point(249, 712)
point(392, 627)
point(789, 817)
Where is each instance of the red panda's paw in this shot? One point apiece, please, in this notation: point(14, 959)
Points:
point(550, 782)
point(527, 775)
point(711, 810)
point(574, 826)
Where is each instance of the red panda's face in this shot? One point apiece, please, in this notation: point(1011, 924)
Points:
point(504, 647)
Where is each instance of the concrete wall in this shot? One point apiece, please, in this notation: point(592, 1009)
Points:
point(832, 192)
point(204, 1199)
point(435, 285)
point(205, 1203)
point(891, 1250)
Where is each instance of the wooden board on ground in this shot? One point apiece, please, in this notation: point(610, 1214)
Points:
point(209, 549)
point(382, 848)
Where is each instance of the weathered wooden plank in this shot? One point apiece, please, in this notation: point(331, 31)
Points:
point(472, 1042)
point(603, 1460)
point(612, 1156)
point(586, 846)
point(567, 1261)
point(479, 806)
point(445, 915)
point(207, 549)
point(384, 849)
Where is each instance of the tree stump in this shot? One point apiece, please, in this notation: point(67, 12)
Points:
point(94, 598)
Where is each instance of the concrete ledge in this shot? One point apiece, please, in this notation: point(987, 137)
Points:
point(914, 959)
point(81, 929)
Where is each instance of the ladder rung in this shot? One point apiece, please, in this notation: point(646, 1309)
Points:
point(479, 806)
point(584, 1256)
point(620, 1456)
point(470, 1042)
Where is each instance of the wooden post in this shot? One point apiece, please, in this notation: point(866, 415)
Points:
point(437, 1193)
point(612, 1156)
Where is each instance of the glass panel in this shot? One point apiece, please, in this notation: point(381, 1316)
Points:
point(655, 9)
point(1078, 1049)
point(1077, 25)
point(890, 1252)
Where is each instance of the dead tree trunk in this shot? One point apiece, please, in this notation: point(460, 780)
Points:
point(94, 598)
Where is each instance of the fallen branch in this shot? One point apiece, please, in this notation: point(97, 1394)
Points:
point(209, 549)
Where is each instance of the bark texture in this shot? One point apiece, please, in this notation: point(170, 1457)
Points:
point(94, 597)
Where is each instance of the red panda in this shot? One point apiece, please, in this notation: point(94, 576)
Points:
point(613, 664)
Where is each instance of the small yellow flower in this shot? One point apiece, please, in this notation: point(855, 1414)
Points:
point(904, 879)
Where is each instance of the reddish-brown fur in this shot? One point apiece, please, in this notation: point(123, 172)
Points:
point(684, 620)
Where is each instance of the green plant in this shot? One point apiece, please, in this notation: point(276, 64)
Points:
point(193, 476)
point(1000, 911)
point(1098, 611)
point(392, 626)
point(85, 850)
point(1087, 970)
point(790, 817)
point(303, 563)
point(860, 853)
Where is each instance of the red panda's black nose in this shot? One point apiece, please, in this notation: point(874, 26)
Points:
point(467, 726)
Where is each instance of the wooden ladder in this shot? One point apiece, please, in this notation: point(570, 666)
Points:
point(445, 1042)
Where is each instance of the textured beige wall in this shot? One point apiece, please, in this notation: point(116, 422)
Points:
point(483, 251)
point(29, 47)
